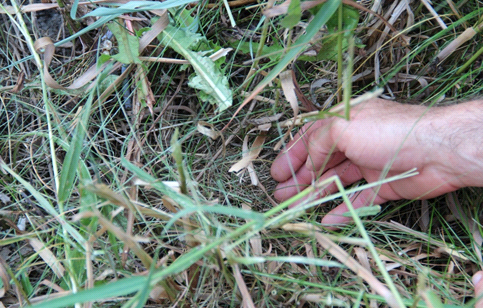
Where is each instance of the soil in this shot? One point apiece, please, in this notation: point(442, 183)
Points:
point(49, 23)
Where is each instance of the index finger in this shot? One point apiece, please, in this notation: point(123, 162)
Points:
point(295, 153)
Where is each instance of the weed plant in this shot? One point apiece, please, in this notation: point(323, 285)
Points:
point(122, 180)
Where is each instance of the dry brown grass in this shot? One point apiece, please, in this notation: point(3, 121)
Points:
point(427, 247)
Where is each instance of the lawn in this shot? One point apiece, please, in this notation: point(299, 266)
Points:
point(136, 140)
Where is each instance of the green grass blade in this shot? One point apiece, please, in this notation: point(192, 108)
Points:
point(187, 203)
point(98, 23)
point(71, 161)
point(137, 6)
point(45, 204)
point(293, 259)
point(219, 209)
point(117, 288)
point(319, 20)
point(134, 284)
point(182, 200)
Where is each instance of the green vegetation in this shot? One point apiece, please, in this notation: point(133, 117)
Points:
point(135, 153)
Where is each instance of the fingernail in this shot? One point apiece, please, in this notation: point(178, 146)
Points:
point(477, 278)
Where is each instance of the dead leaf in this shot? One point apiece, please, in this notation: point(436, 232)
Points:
point(49, 258)
point(306, 103)
point(4, 198)
point(155, 30)
point(288, 88)
point(255, 241)
point(265, 120)
point(259, 98)
point(286, 79)
point(208, 130)
point(20, 83)
point(46, 47)
point(52, 285)
point(467, 35)
point(5, 278)
point(158, 293)
point(424, 220)
point(254, 151)
point(144, 90)
point(129, 241)
point(45, 6)
point(247, 299)
point(343, 257)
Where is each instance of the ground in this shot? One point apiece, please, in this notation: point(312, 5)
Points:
point(85, 206)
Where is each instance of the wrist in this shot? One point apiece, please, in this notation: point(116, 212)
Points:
point(456, 134)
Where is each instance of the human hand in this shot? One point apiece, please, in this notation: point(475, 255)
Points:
point(382, 135)
point(478, 284)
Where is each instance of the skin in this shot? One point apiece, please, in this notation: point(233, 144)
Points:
point(478, 283)
point(383, 139)
point(384, 135)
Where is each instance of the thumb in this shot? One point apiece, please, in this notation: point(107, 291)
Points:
point(478, 284)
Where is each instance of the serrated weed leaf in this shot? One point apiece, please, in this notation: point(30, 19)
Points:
point(127, 44)
point(208, 78)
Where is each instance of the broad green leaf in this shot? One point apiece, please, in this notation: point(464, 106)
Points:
point(141, 31)
point(103, 58)
point(293, 16)
point(128, 44)
point(209, 79)
point(330, 50)
point(186, 18)
point(214, 86)
point(181, 40)
point(350, 19)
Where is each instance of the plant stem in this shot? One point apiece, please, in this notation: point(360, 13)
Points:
point(263, 37)
point(340, 37)
point(348, 78)
point(398, 301)
point(178, 157)
point(470, 61)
